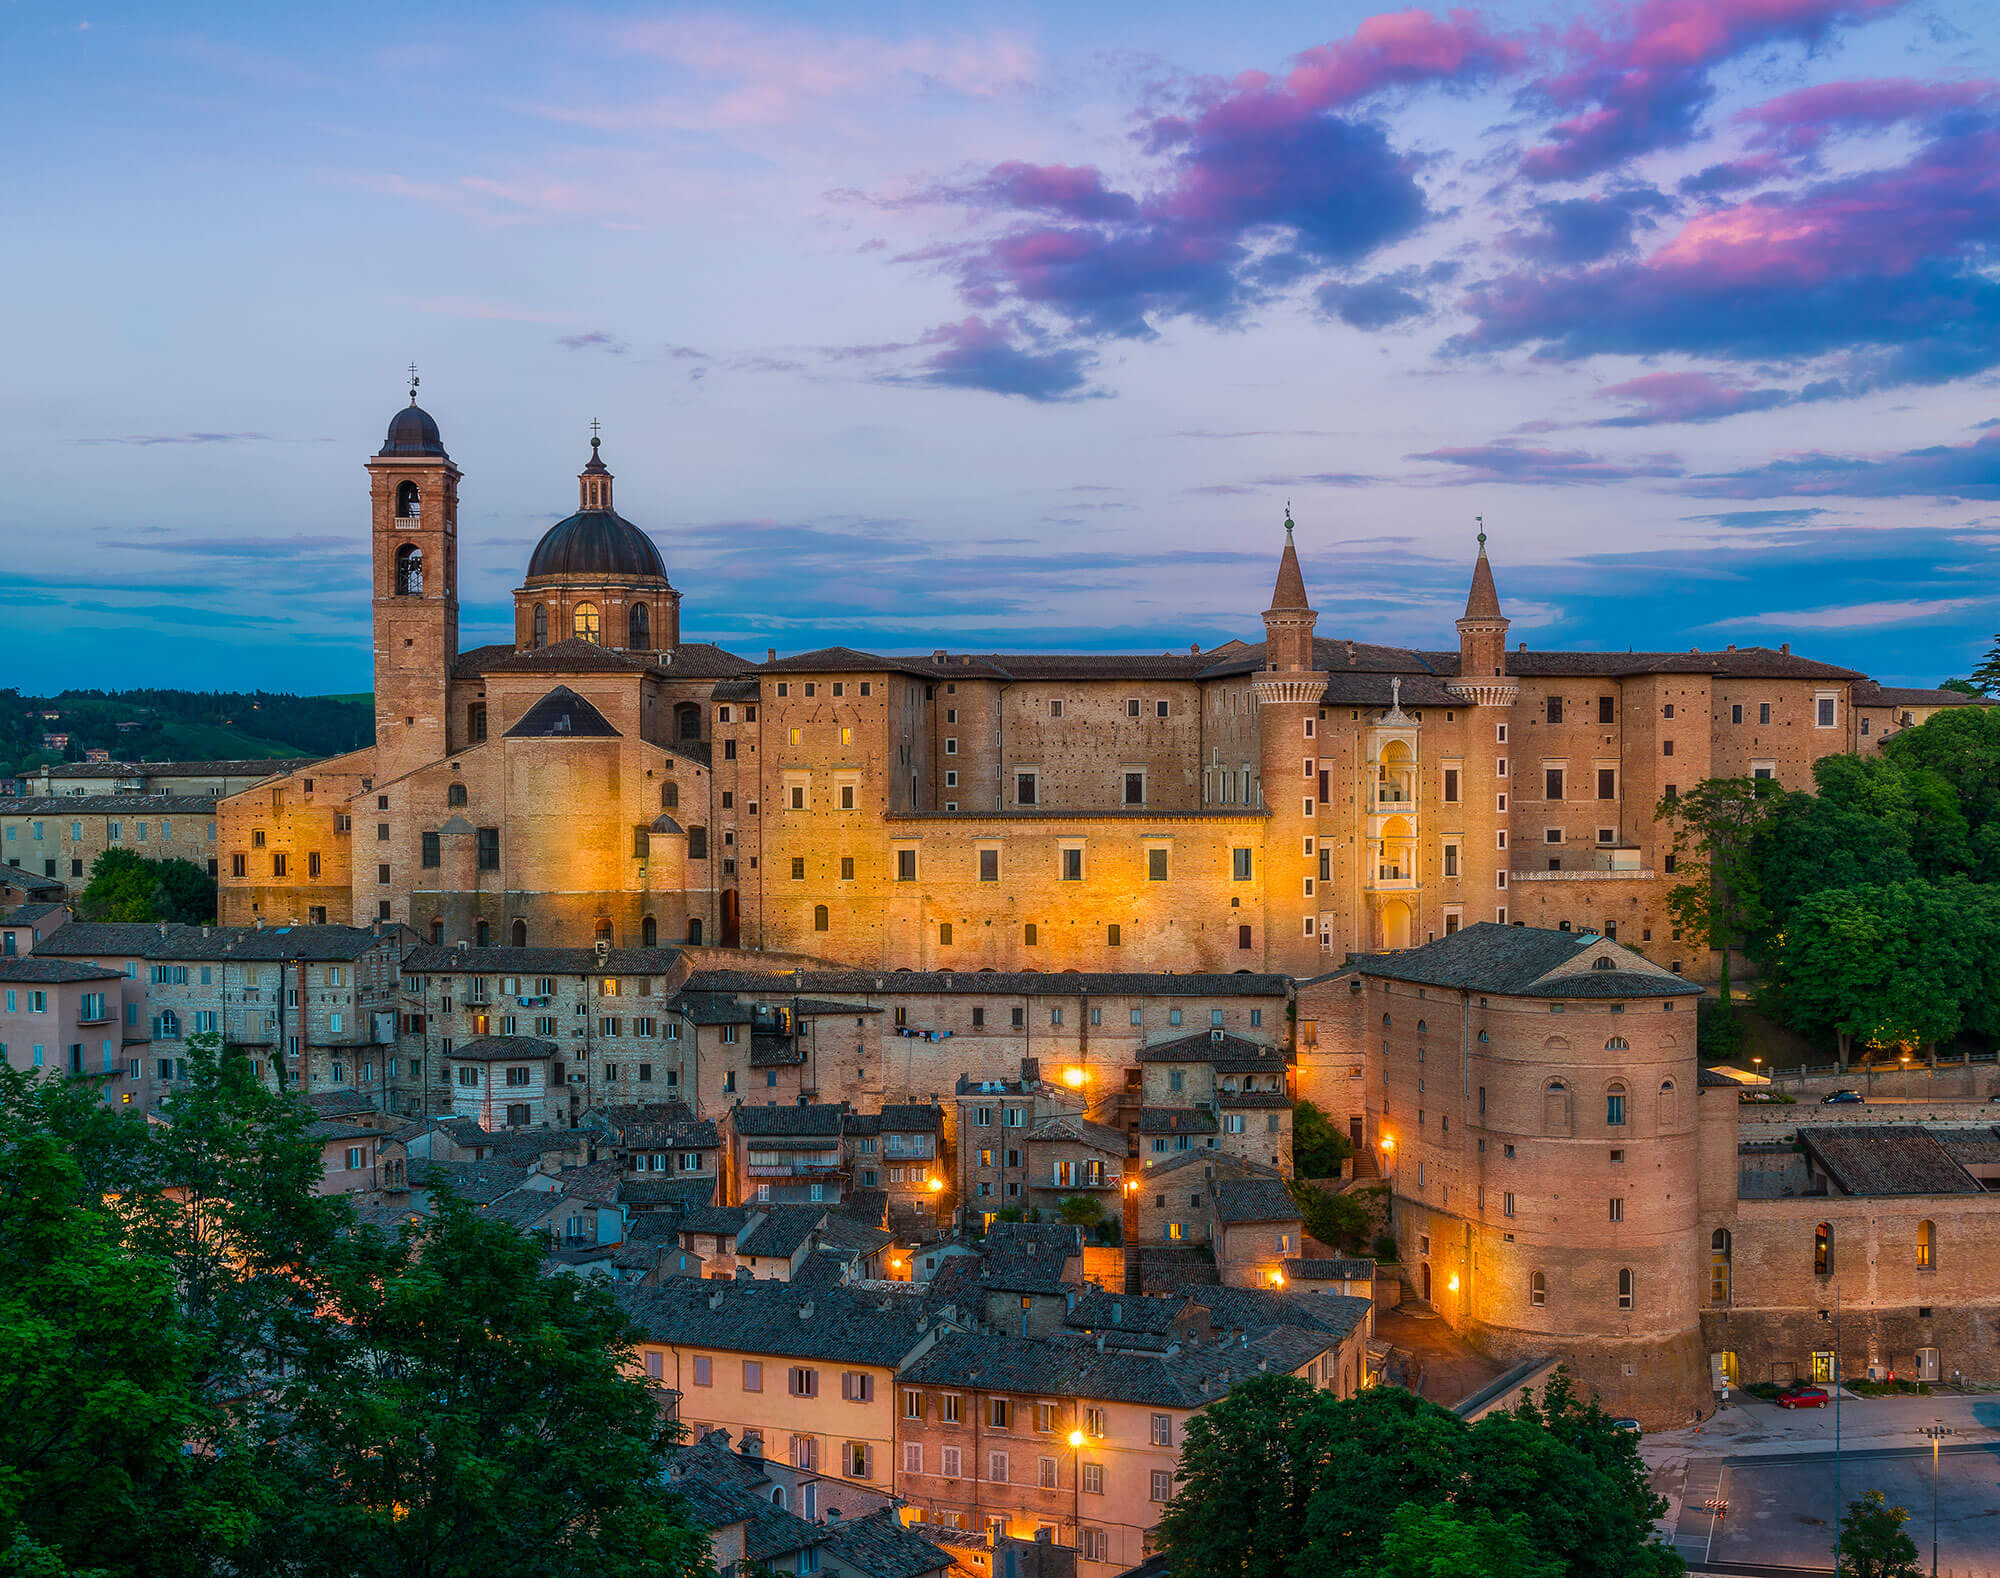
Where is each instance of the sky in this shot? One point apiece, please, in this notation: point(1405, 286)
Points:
point(1008, 327)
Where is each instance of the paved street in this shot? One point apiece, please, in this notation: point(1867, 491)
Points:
point(1775, 1470)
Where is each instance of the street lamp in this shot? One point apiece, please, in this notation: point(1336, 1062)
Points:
point(1074, 1077)
point(1937, 1433)
point(1076, 1439)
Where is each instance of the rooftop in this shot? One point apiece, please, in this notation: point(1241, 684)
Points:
point(768, 1317)
point(1190, 1377)
point(1005, 982)
point(1528, 961)
point(1886, 1159)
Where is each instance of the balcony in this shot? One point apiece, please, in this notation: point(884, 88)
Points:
point(1392, 879)
point(1393, 798)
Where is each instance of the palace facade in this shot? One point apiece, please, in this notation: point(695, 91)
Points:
point(1269, 806)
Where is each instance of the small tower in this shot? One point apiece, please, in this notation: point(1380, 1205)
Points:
point(414, 488)
point(1290, 691)
point(1482, 641)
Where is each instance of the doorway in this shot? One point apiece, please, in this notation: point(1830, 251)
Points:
point(1424, 1276)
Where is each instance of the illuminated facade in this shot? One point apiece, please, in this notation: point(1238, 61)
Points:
point(1266, 807)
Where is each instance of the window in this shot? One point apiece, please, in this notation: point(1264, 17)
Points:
point(1093, 1423)
point(1718, 1266)
point(1927, 1246)
point(1093, 1479)
point(1111, 935)
point(1507, 1203)
point(1614, 1105)
point(1617, 1208)
point(487, 842)
point(1823, 711)
point(857, 1386)
point(1607, 709)
point(1666, 747)
point(1135, 788)
point(1555, 709)
point(1823, 1250)
point(1072, 865)
point(950, 1466)
point(803, 1382)
point(1552, 778)
point(944, 934)
point(1538, 1289)
point(906, 865)
point(1096, 1545)
point(913, 1403)
point(1451, 785)
point(989, 865)
point(1024, 788)
point(584, 622)
point(1763, 712)
point(951, 746)
point(1163, 1485)
point(1156, 865)
point(1624, 1288)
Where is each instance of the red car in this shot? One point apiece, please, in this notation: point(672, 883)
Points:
point(1802, 1397)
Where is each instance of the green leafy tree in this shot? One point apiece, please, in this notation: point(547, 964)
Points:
point(1343, 1221)
point(1445, 1541)
point(1985, 679)
point(1379, 1450)
point(1080, 1210)
point(1715, 827)
point(467, 1414)
point(128, 887)
point(1873, 1543)
point(1318, 1148)
point(95, 1396)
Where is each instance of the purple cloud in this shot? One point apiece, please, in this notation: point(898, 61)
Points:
point(1385, 300)
point(1264, 183)
point(1510, 462)
point(1733, 175)
point(1797, 124)
point(1955, 471)
point(1685, 397)
point(977, 354)
point(1885, 266)
point(1584, 229)
point(595, 340)
point(1641, 82)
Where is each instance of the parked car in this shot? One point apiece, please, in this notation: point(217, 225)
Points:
point(1802, 1396)
point(1628, 1424)
point(1841, 1098)
point(1771, 1095)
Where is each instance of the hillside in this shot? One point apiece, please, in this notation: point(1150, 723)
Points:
point(178, 725)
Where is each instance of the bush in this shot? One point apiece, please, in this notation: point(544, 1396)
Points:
point(1385, 1247)
point(1718, 1032)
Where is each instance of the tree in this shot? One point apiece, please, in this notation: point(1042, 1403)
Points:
point(95, 1399)
point(1451, 1542)
point(1380, 1450)
point(1341, 1221)
point(1985, 679)
point(1715, 825)
point(1080, 1210)
point(1318, 1148)
point(467, 1414)
point(128, 887)
point(1872, 1541)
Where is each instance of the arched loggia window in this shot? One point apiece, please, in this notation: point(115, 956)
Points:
point(409, 505)
point(518, 934)
point(409, 571)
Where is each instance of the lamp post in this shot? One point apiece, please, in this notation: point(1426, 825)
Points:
point(1937, 1433)
point(1389, 1176)
point(1076, 1439)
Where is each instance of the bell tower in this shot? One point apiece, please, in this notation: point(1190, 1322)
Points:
point(1290, 691)
point(414, 494)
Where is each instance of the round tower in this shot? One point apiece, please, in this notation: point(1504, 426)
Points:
point(1290, 691)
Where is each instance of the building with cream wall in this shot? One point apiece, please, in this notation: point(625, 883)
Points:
point(1265, 806)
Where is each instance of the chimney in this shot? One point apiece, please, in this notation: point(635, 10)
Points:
point(770, 654)
point(715, 1299)
point(1785, 647)
point(806, 1310)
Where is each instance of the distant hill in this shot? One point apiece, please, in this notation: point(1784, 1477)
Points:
point(179, 725)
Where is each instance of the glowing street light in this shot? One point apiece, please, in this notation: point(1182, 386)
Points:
point(1277, 1279)
point(1076, 1439)
point(936, 1186)
point(1074, 1077)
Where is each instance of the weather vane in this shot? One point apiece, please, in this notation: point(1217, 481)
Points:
point(1482, 529)
point(413, 383)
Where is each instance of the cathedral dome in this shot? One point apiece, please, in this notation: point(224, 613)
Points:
point(412, 432)
point(596, 542)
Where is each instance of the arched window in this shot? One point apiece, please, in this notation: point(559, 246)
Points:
point(1618, 1044)
point(409, 504)
point(541, 638)
point(1927, 1246)
point(437, 930)
point(603, 929)
point(687, 721)
point(820, 917)
point(1538, 1289)
point(694, 932)
point(483, 935)
point(409, 571)
point(1385, 1019)
point(583, 622)
point(1624, 1289)
point(170, 1022)
point(1555, 1107)
point(518, 934)
point(454, 794)
point(1718, 1266)
point(1605, 963)
point(649, 932)
point(1422, 1028)
point(1823, 1250)
point(1670, 1110)
point(640, 628)
point(1482, 1035)
point(670, 796)
point(1614, 1106)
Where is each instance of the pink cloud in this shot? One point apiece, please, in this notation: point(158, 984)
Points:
point(1799, 122)
point(1685, 397)
point(1402, 49)
point(1640, 81)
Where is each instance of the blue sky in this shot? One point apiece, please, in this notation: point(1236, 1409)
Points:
point(1009, 327)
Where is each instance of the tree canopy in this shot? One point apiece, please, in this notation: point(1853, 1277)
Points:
point(1280, 1480)
point(206, 1365)
point(125, 886)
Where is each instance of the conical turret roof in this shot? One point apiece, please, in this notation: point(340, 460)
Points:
point(1290, 592)
point(1484, 600)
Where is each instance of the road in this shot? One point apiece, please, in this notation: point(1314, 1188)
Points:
point(1775, 1470)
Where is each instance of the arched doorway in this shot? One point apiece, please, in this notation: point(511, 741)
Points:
point(1395, 924)
point(519, 935)
point(1424, 1277)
